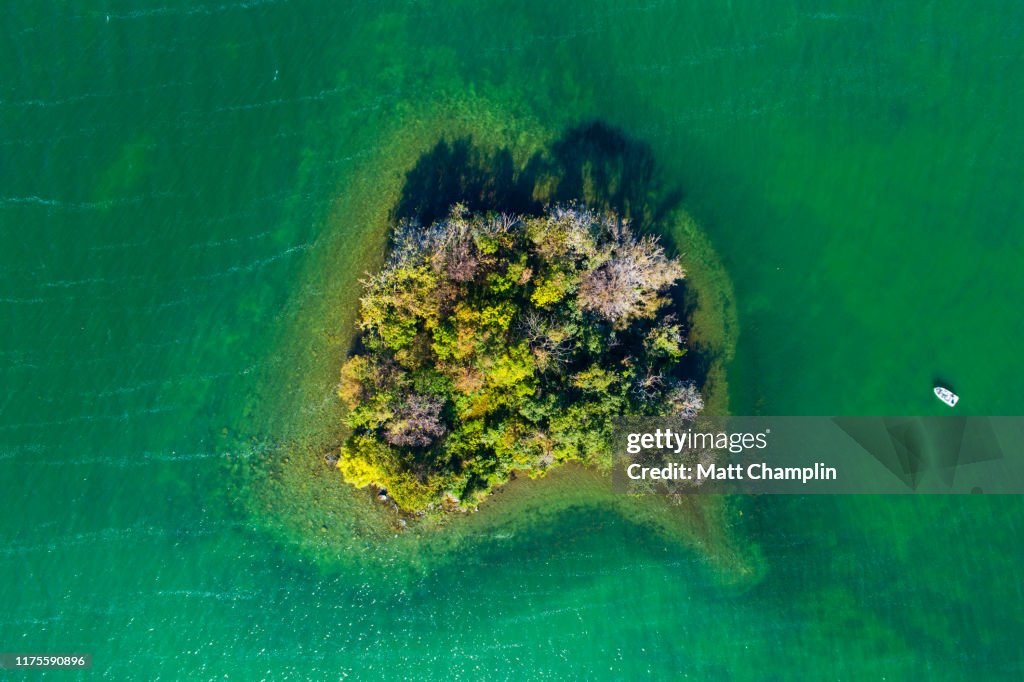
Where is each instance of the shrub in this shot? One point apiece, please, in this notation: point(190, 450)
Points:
point(494, 343)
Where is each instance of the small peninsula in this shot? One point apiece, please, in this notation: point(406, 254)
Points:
point(493, 344)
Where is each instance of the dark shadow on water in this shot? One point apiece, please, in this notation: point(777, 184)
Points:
point(606, 169)
point(594, 164)
point(698, 361)
point(461, 172)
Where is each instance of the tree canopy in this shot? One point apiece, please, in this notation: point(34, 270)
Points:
point(496, 343)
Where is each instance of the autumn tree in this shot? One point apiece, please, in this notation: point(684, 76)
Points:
point(496, 343)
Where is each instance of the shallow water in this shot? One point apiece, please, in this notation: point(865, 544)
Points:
point(171, 176)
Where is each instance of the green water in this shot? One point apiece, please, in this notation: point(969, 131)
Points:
point(175, 200)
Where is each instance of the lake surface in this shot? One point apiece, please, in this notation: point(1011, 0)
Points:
point(174, 200)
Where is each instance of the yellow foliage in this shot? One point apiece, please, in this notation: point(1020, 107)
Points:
point(596, 378)
point(476, 406)
point(360, 472)
point(511, 368)
point(550, 290)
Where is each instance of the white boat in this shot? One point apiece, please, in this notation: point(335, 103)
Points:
point(947, 396)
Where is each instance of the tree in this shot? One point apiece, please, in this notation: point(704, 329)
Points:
point(627, 284)
point(496, 343)
point(417, 423)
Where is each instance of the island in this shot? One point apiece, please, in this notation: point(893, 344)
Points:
point(493, 344)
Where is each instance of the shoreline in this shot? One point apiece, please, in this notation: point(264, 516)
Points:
point(305, 503)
